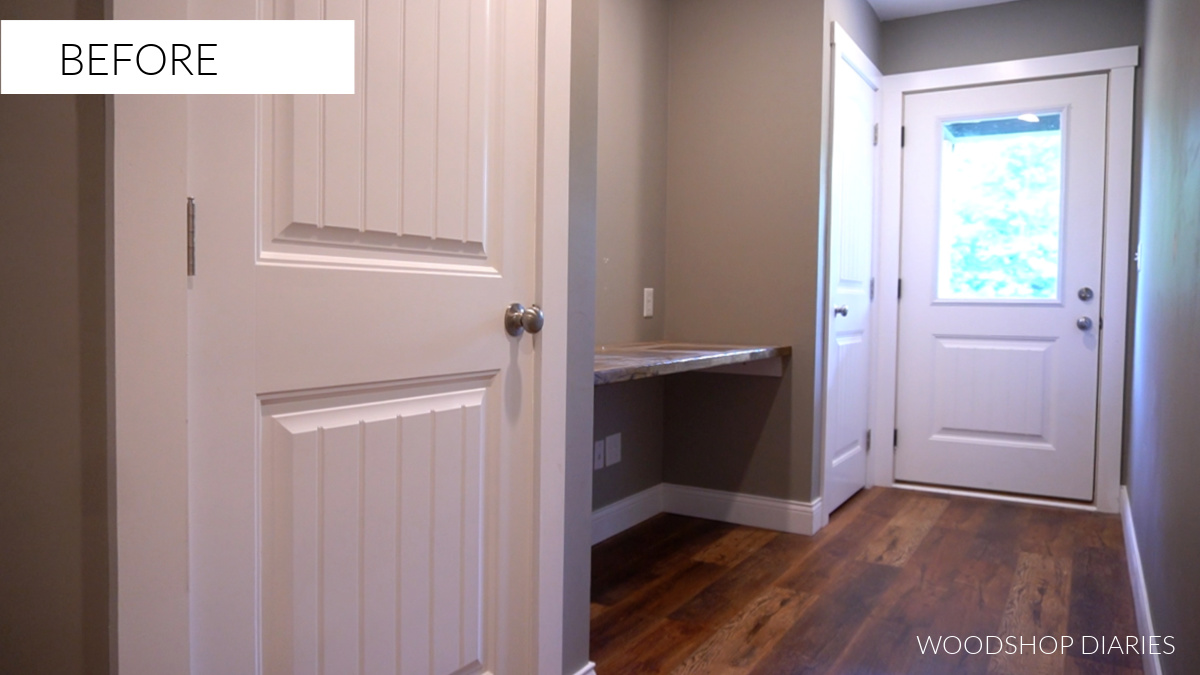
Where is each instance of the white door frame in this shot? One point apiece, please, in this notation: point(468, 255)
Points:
point(1119, 65)
point(148, 388)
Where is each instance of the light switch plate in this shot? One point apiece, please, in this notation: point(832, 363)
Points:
point(598, 456)
point(612, 449)
point(647, 303)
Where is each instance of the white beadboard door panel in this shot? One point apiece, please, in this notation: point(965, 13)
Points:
point(373, 528)
point(397, 173)
point(363, 453)
point(1000, 393)
point(852, 215)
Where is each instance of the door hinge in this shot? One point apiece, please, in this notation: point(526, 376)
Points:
point(895, 438)
point(902, 137)
point(899, 288)
point(191, 237)
point(871, 295)
point(876, 142)
point(868, 439)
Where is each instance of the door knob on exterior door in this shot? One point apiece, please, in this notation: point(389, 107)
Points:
point(841, 310)
point(518, 319)
point(1084, 323)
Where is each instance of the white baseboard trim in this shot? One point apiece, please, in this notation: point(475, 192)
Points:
point(728, 507)
point(589, 669)
point(620, 516)
point(733, 507)
point(1141, 599)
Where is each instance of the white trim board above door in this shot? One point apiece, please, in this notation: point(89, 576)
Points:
point(1118, 66)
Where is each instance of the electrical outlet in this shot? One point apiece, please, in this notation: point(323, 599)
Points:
point(647, 303)
point(598, 456)
point(612, 449)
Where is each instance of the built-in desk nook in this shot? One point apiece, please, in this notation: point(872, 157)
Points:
point(667, 414)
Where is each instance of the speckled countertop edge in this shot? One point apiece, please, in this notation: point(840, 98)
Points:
point(621, 363)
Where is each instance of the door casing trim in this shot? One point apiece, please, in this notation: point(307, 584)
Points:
point(1119, 65)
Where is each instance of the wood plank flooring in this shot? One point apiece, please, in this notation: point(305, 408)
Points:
point(689, 596)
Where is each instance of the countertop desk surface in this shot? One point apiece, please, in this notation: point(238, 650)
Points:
point(620, 363)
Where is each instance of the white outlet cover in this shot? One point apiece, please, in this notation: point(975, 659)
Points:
point(647, 303)
point(612, 449)
point(598, 456)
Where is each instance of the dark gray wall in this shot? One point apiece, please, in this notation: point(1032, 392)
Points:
point(1011, 30)
point(635, 410)
point(631, 170)
point(631, 203)
point(581, 337)
point(730, 431)
point(861, 23)
point(744, 141)
point(1164, 452)
point(53, 417)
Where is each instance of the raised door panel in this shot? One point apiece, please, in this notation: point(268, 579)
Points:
point(993, 390)
point(374, 529)
point(395, 175)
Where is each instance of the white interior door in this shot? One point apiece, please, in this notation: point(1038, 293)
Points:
point(1002, 231)
point(852, 213)
point(363, 474)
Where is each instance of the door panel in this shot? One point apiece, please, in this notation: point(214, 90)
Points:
point(362, 445)
point(363, 492)
point(1002, 226)
point(399, 167)
point(851, 230)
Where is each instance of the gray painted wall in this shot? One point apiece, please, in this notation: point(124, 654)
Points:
point(53, 419)
point(631, 170)
point(732, 433)
point(1164, 464)
point(581, 336)
point(635, 410)
point(1012, 30)
point(861, 23)
point(743, 224)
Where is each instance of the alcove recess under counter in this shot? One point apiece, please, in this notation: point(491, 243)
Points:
point(621, 363)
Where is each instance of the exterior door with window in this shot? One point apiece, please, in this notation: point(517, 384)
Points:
point(1001, 252)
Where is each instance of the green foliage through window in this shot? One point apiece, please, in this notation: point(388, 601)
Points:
point(1000, 210)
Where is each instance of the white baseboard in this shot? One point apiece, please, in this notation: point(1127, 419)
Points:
point(1141, 599)
point(589, 669)
point(733, 507)
point(620, 516)
point(728, 507)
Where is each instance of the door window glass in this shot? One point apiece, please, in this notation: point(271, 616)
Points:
point(1001, 193)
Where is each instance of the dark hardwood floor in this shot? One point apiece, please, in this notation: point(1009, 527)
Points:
point(684, 595)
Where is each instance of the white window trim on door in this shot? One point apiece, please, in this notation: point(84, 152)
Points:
point(148, 389)
point(1119, 65)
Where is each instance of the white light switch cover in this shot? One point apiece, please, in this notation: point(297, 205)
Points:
point(612, 449)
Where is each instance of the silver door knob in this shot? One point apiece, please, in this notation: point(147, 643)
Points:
point(841, 310)
point(1086, 294)
point(1084, 323)
point(518, 319)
